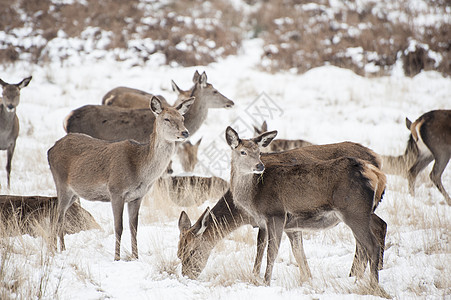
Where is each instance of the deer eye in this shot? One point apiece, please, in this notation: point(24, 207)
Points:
point(243, 152)
point(167, 120)
point(215, 92)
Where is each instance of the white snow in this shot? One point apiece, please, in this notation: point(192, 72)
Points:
point(324, 105)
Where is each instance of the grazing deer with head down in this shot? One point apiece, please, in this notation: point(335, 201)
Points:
point(9, 123)
point(280, 144)
point(119, 172)
point(114, 123)
point(197, 241)
point(430, 140)
point(311, 194)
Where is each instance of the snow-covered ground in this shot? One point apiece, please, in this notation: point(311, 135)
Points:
point(324, 105)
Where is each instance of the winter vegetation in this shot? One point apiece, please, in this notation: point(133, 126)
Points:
point(320, 71)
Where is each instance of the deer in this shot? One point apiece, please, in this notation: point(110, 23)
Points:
point(429, 140)
point(187, 154)
point(189, 191)
point(115, 123)
point(280, 144)
point(197, 241)
point(119, 172)
point(126, 97)
point(309, 194)
point(9, 122)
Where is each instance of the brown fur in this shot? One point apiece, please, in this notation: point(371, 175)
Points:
point(195, 247)
point(311, 194)
point(279, 145)
point(187, 154)
point(21, 214)
point(126, 97)
point(9, 123)
point(115, 123)
point(119, 172)
point(430, 140)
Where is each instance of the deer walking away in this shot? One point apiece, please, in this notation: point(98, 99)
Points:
point(429, 140)
point(9, 123)
point(119, 172)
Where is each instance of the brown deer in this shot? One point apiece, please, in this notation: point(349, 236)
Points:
point(126, 97)
point(187, 154)
point(429, 140)
point(310, 194)
point(115, 123)
point(197, 241)
point(280, 144)
point(119, 172)
point(9, 123)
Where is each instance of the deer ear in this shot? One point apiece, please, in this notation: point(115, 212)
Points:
point(184, 106)
point(155, 105)
point(198, 142)
point(203, 80)
point(232, 137)
point(175, 88)
point(24, 82)
point(3, 83)
point(264, 127)
point(408, 123)
point(204, 219)
point(184, 221)
point(264, 139)
point(196, 77)
point(257, 130)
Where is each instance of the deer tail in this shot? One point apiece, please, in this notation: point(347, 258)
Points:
point(377, 180)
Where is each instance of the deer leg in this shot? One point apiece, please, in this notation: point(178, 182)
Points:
point(65, 199)
point(379, 229)
point(360, 260)
point(10, 153)
point(262, 239)
point(297, 248)
point(360, 226)
point(416, 168)
point(118, 210)
point(436, 175)
point(133, 210)
point(274, 226)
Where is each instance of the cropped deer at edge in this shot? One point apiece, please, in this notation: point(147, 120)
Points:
point(9, 123)
point(429, 140)
point(119, 172)
point(311, 194)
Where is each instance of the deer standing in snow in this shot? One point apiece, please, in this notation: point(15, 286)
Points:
point(310, 194)
point(197, 241)
point(119, 172)
point(115, 123)
point(429, 140)
point(280, 144)
point(9, 123)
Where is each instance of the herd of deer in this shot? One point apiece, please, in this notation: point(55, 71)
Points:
point(118, 150)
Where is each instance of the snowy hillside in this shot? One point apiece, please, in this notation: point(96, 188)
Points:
point(324, 105)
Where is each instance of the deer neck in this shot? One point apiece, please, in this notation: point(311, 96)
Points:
point(226, 218)
point(244, 188)
point(6, 117)
point(399, 165)
point(198, 112)
point(158, 152)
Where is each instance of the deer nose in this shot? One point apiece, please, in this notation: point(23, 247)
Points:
point(10, 106)
point(185, 134)
point(259, 167)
